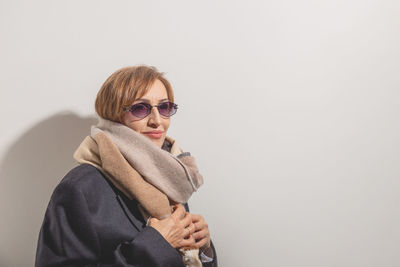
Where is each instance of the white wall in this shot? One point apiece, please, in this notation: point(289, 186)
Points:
point(290, 107)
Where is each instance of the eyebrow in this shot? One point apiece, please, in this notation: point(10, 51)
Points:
point(147, 101)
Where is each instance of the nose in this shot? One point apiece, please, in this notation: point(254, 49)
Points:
point(154, 118)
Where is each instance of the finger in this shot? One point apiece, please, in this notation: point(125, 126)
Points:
point(201, 243)
point(186, 232)
point(189, 230)
point(189, 242)
point(179, 212)
point(200, 225)
point(153, 220)
point(192, 228)
point(201, 235)
point(187, 220)
point(196, 217)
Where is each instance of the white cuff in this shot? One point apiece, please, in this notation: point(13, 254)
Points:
point(205, 258)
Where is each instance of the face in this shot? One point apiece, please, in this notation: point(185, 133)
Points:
point(154, 126)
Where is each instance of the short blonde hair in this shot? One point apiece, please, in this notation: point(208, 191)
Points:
point(124, 86)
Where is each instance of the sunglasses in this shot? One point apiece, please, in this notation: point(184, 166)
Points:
point(142, 110)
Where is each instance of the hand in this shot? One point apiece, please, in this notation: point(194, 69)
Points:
point(201, 232)
point(177, 228)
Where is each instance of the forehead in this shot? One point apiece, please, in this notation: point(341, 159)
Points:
point(156, 93)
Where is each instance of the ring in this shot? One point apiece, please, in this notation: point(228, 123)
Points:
point(190, 232)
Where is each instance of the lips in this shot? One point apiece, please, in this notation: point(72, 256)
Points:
point(154, 134)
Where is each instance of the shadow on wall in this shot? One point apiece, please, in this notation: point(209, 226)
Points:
point(30, 170)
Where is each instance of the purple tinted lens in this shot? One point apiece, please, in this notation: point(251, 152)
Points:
point(167, 109)
point(140, 110)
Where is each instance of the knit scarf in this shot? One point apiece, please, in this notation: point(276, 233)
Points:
point(154, 177)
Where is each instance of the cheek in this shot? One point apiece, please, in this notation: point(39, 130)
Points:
point(166, 124)
point(134, 125)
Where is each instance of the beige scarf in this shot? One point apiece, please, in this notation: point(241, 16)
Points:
point(154, 177)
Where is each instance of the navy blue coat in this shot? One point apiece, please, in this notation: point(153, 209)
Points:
point(89, 222)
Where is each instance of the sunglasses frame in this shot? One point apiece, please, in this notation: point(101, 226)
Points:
point(150, 108)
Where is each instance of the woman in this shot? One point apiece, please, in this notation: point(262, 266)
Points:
point(124, 205)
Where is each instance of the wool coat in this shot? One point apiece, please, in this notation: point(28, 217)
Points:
point(89, 222)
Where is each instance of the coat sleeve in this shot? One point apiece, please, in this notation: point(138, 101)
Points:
point(68, 238)
point(214, 262)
